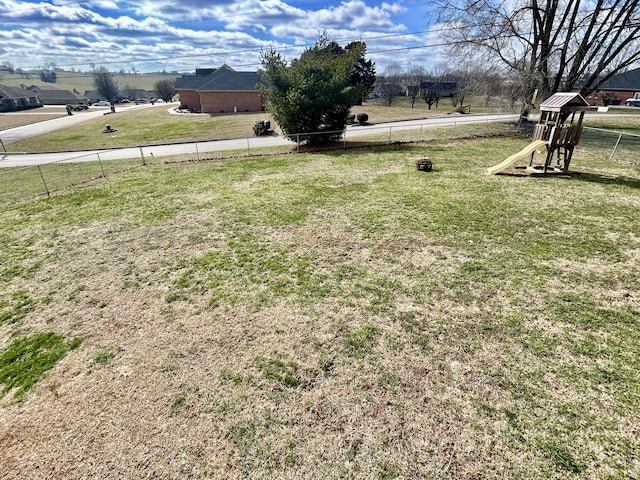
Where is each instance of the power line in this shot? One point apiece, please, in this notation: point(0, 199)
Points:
point(255, 49)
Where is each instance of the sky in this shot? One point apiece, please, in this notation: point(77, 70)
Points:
point(182, 35)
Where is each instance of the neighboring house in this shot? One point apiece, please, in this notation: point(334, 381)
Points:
point(92, 96)
point(220, 90)
point(444, 89)
point(55, 96)
point(15, 98)
point(621, 86)
point(136, 94)
point(386, 89)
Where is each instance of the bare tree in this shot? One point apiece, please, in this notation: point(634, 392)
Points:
point(104, 83)
point(389, 85)
point(389, 91)
point(7, 66)
point(553, 45)
point(165, 89)
point(413, 77)
point(430, 96)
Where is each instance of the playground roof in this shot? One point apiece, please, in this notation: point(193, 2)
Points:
point(565, 102)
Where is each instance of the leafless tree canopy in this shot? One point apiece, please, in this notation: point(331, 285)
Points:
point(105, 84)
point(165, 89)
point(553, 45)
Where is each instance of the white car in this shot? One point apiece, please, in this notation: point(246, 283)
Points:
point(632, 102)
point(102, 103)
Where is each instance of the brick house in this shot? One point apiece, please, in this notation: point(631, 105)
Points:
point(220, 90)
point(620, 86)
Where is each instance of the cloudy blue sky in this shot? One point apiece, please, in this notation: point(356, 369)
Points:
point(180, 35)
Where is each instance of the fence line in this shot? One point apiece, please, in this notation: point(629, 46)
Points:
point(616, 145)
point(18, 183)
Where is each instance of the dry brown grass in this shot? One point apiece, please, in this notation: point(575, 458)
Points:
point(13, 120)
point(195, 286)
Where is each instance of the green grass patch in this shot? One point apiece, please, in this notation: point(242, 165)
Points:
point(360, 342)
point(105, 355)
point(15, 309)
point(283, 372)
point(26, 361)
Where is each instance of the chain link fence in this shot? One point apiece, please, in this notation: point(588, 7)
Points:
point(74, 169)
point(614, 145)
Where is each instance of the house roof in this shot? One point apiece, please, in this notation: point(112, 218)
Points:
point(437, 85)
point(564, 102)
point(137, 93)
point(223, 79)
point(623, 81)
point(48, 94)
point(189, 82)
point(15, 92)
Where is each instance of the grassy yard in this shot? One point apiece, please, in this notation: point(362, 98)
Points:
point(156, 125)
point(328, 315)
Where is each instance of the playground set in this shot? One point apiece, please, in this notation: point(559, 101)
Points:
point(554, 136)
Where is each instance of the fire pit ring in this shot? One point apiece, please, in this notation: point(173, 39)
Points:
point(424, 165)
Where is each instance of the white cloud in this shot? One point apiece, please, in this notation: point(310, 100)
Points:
point(184, 34)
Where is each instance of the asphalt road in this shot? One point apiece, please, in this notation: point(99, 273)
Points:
point(9, 159)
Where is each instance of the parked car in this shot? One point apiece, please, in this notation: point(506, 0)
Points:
point(141, 100)
point(632, 102)
point(125, 100)
point(102, 103)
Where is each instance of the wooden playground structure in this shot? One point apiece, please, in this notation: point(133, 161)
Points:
point(555, 136)
point(560, 125)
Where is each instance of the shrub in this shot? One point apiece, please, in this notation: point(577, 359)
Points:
point(362, 118)
point(262, 127)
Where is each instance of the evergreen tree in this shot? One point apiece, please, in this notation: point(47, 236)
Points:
point(314, 93)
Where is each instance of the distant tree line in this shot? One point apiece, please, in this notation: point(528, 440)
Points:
point(544, 45)
point(475, 82)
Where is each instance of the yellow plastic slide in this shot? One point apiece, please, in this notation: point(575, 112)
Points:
point(539, 145)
